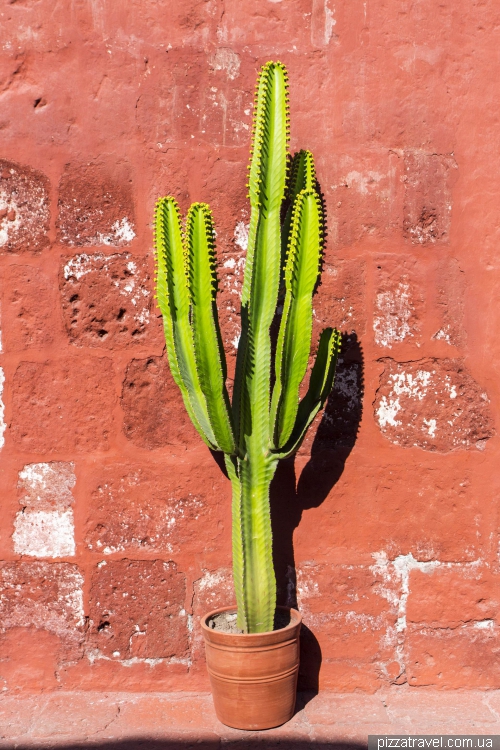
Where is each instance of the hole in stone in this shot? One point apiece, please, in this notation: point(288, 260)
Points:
point(121, 313)
point(74, 298)
point(103, 626)
point(40, 102)
point(102, 333)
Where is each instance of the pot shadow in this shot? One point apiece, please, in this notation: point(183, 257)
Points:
point(327, 449)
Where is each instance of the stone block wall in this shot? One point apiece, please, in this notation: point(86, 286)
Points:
point(115, 523)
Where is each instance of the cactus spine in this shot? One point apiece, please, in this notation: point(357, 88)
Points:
point(265, 422)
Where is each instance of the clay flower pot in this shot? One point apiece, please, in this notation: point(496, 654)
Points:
point(253, 676)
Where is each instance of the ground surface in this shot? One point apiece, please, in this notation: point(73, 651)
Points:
point(161, 720)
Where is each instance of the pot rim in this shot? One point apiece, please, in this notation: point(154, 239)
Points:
point(295, 619)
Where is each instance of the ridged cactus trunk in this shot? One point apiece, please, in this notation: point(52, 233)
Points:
point(266, 420)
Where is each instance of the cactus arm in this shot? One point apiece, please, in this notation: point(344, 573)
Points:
point(173, 301)
point(294, 339)
point(262, 269)
point(302, 176)
point(208, 349)
point(320, 386)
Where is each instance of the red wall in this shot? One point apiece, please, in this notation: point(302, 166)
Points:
point(115, 524)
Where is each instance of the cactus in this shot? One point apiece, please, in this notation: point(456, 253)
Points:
point(266, 421)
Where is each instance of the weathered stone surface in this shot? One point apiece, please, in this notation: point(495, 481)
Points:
point(351, 608)
point(390, 98)
point(164, 509)
point(30, 309)
point(217, 113)
point(66, 405)
point(94, 207)
point(153, 411)
point(399, 301)
point(45, 526)
point(107, 300)
point(29, 660)
point(24, 209)
point(454, 594)
point(463, 657)
point(451, 302)
point(363, 195)
point(341, 298)
point(137, 610)
point(432, 404)
point(46, 596)
point(427, 208)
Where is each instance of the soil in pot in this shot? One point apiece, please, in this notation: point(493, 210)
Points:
point(225, 622)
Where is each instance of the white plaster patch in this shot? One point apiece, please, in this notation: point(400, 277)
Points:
point(122, 232)
point(363, 183)
point(227, 60)
point(45, 525)
point(387, 412)
point(241, 235)
point(443, 334)
point(47, 485)
point(212, 580)
point(393, 312)
point(394, 586)
point(3, 426)
point(322, 23)
point(43, 533)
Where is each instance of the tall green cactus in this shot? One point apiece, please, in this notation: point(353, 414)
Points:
point(266, 420)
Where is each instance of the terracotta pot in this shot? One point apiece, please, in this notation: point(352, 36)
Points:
point(253, 676)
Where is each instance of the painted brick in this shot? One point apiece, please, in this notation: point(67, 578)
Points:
point(30, 304)
point(451, 302)
point(432, 404)
point(137, 610)
point(95, 207)
point(153, 411)
point(363, 195)
point(448, 596)
point(24, 209)
point(341, 297)
point(46, 596)
point(163, 510)
point(45, 527)
point(63, 405)
point(107, 300)
point(399, 304)
point(463, 657)
point(427, 207)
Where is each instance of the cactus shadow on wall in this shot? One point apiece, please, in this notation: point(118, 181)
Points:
point(329, 450)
